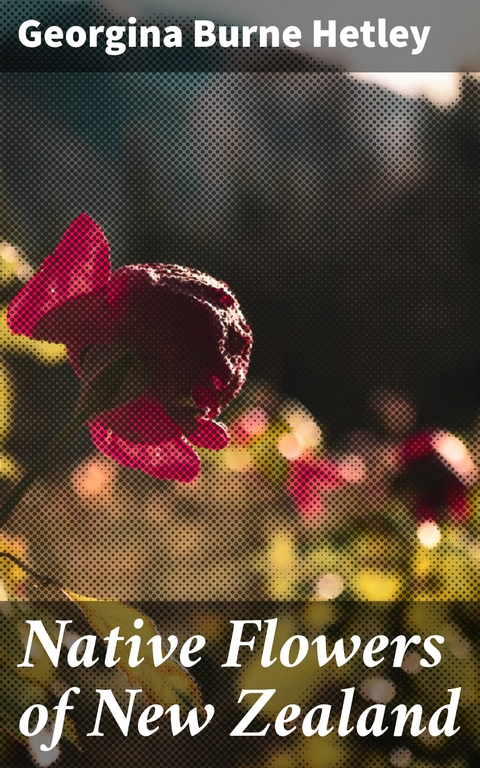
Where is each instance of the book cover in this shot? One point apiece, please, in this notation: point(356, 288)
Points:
point(239, 385)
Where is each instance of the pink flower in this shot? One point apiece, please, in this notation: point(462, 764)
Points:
point(190, 340)
point(435, 481)
point(308, 480)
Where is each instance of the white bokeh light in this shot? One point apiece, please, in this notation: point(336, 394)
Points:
point(378, 689)
point(290, 446)
point(455, 455)
point(429, 535)
point(38, 756)
point(305, 434)
point(329, 586)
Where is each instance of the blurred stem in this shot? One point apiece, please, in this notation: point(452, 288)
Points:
point(46, 581)
point(48, 456)
point(99, 397)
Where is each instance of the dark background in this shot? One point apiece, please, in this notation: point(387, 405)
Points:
point(344, 216)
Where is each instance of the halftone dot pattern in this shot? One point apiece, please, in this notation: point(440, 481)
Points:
point(344, 218)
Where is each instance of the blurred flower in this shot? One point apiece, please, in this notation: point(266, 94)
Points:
point(190, 342)
point(290, 446)
point(437, 471)
point(396, 412)
point(308, 478)
point(352, 468)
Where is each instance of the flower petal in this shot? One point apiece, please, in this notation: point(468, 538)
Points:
point(206, 399)
point(308, 478)
point(210, 434)
point(174, 459)
point(78, 268)
point(143, 420)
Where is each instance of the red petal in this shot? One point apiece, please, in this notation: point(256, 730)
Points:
point(78, 323)
point(308, 478)
point(210, 434)
point(143, 420)
point(79, 266)
point(206, 400)
point(456, 502)
point(417, 446)
point(172, 460)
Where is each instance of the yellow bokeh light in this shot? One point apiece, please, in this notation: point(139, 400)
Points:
point(376, 586)
point(237, 459)
point(9, 467)
point(12, 264)
point(282, 553)
point(281, 587)
point(12, 576)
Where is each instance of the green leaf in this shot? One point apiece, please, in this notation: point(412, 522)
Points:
point(167, 684)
